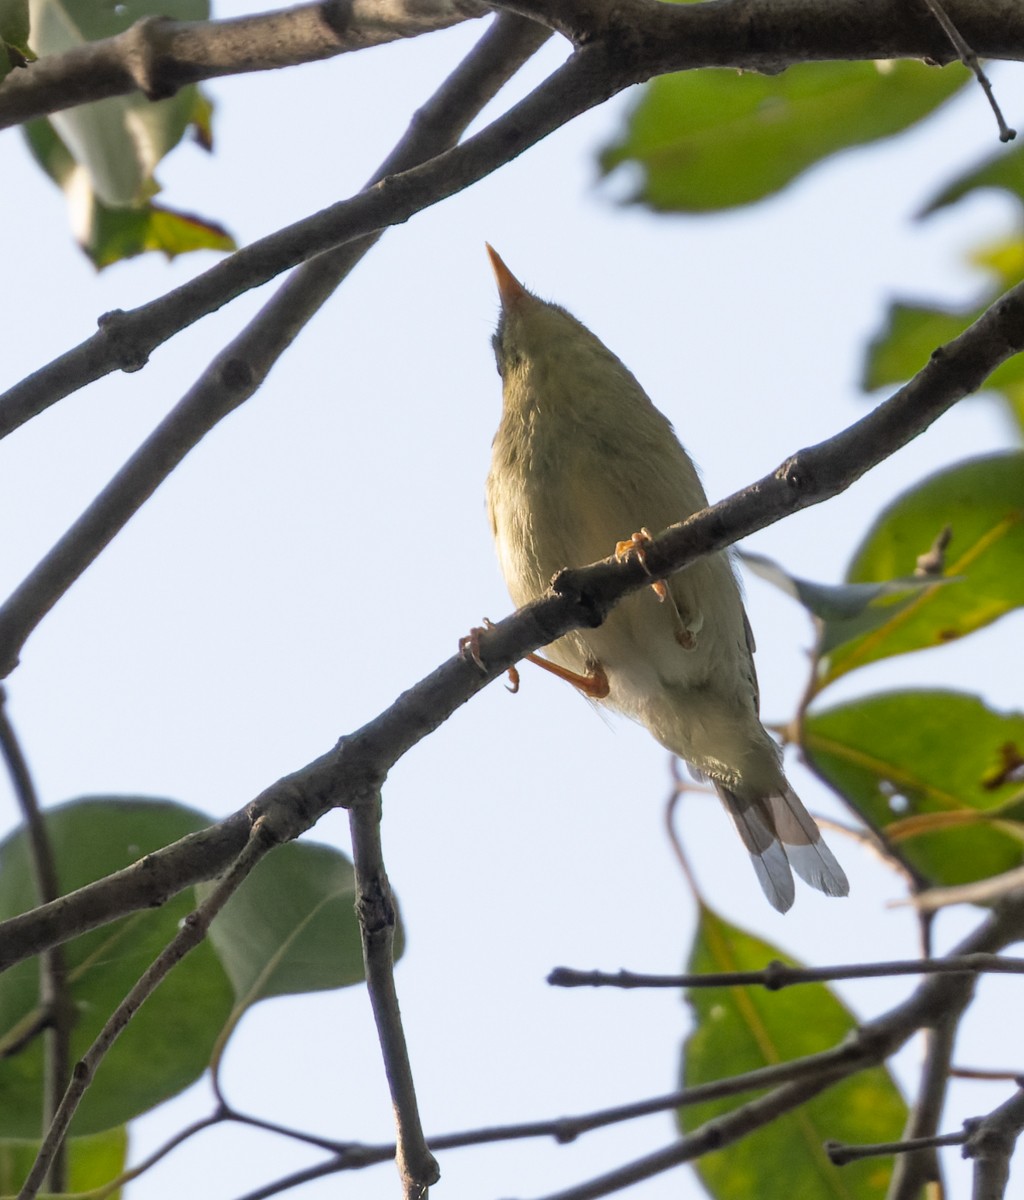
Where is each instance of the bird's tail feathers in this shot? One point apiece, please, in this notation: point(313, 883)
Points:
point(780, 833)
point(811, 858)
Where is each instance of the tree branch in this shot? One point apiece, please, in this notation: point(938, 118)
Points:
point(577, 598)
point(917, 1167)
point(375, 907)
point(157, 56)
point(56, 1008)
point(991, 1143)
point(777, 975)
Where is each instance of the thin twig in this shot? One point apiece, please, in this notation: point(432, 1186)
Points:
point(777, 975)
point(160, 1153)
point(870, 1045)
point(264, 836)
point(57, 1012)
point(971, 62)
point(987, 1074)
point(358, 1155)
point(375, 907)
point(839, 1153)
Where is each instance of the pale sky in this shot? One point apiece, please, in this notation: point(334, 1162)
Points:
point(242, 621)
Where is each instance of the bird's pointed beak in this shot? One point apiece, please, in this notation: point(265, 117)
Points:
point(510, 289)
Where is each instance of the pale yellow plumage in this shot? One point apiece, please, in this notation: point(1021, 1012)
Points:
point(582, 459)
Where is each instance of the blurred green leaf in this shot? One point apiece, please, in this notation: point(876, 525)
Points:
point(713, 139)
point(910, 335)
point(92, 1162)
point(291, 927)
point(119, 233)
point(1003, 170)
point(742, 1029)
point(119, 140)
point(14, 30)
point(938, 771)
point(911, 332)
point(104, 154)
point(167, 1044)
point(846, 610)
point(107, 234)
point(982, 501)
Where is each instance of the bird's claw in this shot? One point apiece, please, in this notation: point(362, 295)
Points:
point(636, 545)
point(685, 631)
point(469, 647)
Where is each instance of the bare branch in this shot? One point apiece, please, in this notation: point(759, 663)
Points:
point(970, 61)
point(839, 1153)
point(991, 1142)
point(56, 1010)
point(917, 1167)
point(375, 907)
point(157, 56)
point(151, 881)
point(777, 975)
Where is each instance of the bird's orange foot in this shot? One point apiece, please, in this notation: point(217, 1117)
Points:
point(637, 545)
point(685, 629)
point(594, 684)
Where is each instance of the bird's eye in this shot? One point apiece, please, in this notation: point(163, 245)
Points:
point(503, 357)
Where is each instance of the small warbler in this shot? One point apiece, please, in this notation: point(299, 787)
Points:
point(581, 459)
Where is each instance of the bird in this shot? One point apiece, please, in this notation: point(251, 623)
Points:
point(583, 462)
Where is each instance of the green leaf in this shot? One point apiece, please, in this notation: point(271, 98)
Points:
point(843, 611)
point(1003, 170)
point(714, 139)
point(745, 1028)
point(906, 342)
point(291, 927)
point(92, 1162)
point(982, 501)
point(119, 140)
point(938, 771)
point(167, 1045)
point(14, 27)
point(119, 233)
point(912, 332)
point(108, 234)
point(109, 149)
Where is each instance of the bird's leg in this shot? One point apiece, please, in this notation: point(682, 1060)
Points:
point(593, 684)
point(686, 631)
